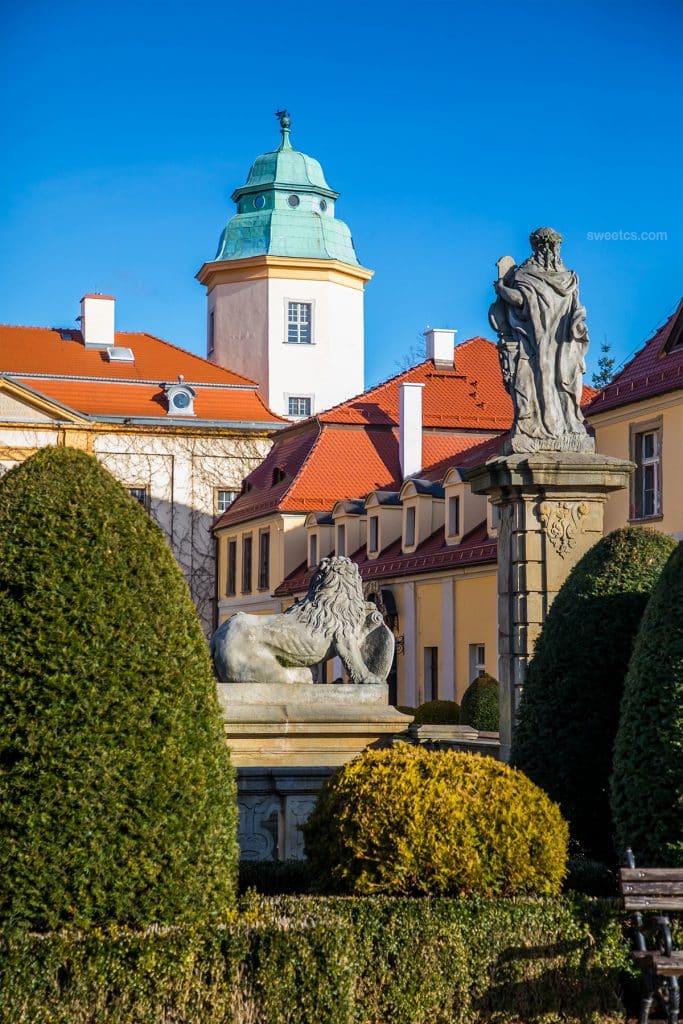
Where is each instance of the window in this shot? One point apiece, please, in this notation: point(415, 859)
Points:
point(299, 323)
point(454, 516)
point(264, 560)
point(298, 405)
point(211, 343)
point(140, 494)
point(647, 478)
point(431, 677)
point(223, 499)
point(410, 526)
point(341, 540)
point(231, 582)
point(246, 564)
point(477, 660)
point(313, 549)
point(373, 542)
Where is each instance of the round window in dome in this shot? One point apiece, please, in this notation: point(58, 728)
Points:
point(259, 202)
point(323, 205)
point(181, 400)
point(293, 201)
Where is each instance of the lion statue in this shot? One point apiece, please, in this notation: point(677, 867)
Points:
point(334, 619)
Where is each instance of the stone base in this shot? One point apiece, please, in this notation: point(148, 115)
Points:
point(551, 508)
point(285, 739)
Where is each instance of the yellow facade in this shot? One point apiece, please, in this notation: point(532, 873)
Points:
point(615, 431)
point(476, 624)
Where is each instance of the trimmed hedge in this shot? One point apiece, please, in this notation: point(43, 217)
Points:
point(569, 710)
point(437, 712)
point(411, 821)
point(647, 785)
point(331, 961)
point(480, 704)
point(117, 800)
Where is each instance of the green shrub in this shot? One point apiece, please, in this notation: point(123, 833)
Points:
point(437, 712)
point(117, 801)
point(479, 706)
point(647, 785)
point(331, 961)
point(412, 821)
point(570, 704)
point(405, 710)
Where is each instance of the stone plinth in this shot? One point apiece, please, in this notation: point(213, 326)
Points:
point(285, 739)
point(551, 507)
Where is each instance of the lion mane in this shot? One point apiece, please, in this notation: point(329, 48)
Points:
point(334, 604)
point(332, 619)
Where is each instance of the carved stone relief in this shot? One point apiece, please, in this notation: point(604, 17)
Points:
point(562, 522)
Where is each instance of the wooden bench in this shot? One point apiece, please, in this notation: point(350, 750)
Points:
point(654, 890)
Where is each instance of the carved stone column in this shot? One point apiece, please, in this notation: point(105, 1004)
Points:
point(551, 512)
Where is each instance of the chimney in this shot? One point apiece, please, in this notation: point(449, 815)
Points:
point(440, 344)
point(410, 426)
point(97, 321)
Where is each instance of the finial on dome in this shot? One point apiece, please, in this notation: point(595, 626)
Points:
point(285, 122)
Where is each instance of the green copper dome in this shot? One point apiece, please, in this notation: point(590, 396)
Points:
point(286, 208)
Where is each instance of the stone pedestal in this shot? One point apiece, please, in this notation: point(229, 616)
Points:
point(285, 739)
point(551, 508)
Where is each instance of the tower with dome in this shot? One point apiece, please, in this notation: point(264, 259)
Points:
point(285, 290)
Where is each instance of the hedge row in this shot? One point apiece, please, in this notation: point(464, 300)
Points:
point(311, 960)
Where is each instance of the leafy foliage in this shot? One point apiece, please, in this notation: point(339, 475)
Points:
point(647, 785)
point(331, 961)
point(570, 705)
point(117, 801)
point(437, 712)
point(413, 821)
point(480, 704)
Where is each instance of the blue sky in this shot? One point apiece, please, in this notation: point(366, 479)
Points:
point(451, 130)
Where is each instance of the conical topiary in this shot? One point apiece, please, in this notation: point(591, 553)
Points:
point(480, 704)
point(570, 705)
point(647, 785)
point(117, 800)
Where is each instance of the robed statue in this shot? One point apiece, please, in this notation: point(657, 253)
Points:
point(542, 343)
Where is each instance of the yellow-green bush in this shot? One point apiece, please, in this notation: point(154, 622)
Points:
point(413, 821)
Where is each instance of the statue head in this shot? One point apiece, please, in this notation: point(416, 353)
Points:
point(546, 246)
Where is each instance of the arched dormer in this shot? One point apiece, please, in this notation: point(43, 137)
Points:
point(319, 537)
point(349, 526)
point(463, 509)
point(423, 511)
point(384, 521)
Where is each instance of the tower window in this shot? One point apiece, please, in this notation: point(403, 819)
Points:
point(299, 323)
point(212, 337)
point(298, 406)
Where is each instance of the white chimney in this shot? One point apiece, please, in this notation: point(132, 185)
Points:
point(97, 321)
point(410, 426)
point(440, 345)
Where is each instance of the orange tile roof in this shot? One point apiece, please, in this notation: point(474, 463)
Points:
point(56, 364)
point(470, 396)
point(353, 448)
point(655, 370)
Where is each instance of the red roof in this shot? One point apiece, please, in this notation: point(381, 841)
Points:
point(655, 370)
point(56, 364)
point(469, 396)
point(353, 448)
point(476, 548)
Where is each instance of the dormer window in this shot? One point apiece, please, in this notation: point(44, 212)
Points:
point(373, 533)
point(454, 515)
point(278, 475)
point(409, 541)
point(180, 398)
